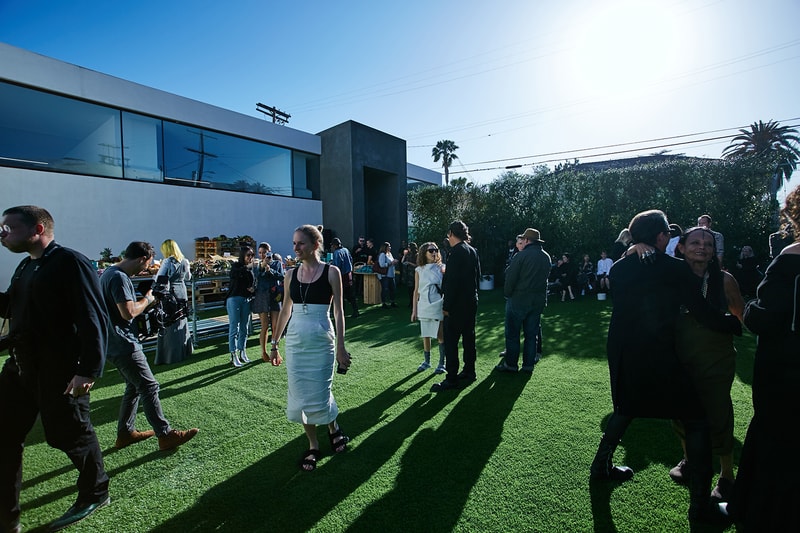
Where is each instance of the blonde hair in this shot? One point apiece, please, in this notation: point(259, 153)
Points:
point(314, 234)
point(170, 248)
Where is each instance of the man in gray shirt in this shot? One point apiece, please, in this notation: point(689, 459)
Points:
point(125, 351)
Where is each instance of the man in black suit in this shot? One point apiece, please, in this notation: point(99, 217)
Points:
point(647, 379)
point(460, 286)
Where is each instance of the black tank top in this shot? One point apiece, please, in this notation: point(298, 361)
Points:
point(316, 292)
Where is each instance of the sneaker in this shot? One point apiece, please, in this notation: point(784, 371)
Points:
point(440, 370)
point(443, 386)
point(722, 492)
point(175, 438)
point(424, 366)
point(132, 438)
point(680, 473)
point(505, 367)
point(502, 354)
point(76, 513)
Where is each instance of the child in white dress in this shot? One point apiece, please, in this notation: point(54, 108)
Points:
point(427, 302)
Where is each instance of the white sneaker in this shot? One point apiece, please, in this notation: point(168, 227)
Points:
point(440, 370)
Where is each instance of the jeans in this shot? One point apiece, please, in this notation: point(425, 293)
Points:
point(387, 290)
point(238, 321)
point(139, 385)
point(529, 321)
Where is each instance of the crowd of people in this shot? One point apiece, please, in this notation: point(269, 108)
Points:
point(670, 347)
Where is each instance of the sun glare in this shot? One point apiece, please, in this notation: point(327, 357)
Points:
point(620, 49)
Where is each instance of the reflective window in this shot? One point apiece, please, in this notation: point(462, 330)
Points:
point(143, 147)
point(198, 157)
point(48, 132)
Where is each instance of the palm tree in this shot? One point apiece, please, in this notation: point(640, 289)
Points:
point(773, 143)
point(445, 150)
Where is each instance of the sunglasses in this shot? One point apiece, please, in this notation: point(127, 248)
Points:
point(433, 250)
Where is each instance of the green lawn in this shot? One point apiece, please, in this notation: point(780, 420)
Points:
point(507, 453)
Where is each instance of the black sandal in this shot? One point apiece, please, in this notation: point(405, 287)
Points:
point(312, 461)
point(338, 446)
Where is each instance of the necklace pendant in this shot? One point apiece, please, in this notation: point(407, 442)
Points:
point(305, 309)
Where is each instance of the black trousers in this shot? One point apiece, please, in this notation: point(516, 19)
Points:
point(459, 326)
point(66, 426)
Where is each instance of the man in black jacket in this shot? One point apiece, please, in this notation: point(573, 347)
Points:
point(58, 341)
point(647, 378)
point(460, 286)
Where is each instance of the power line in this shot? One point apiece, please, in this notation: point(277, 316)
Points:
point(615, 152)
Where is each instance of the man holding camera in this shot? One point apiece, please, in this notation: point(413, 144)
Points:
point(57, 339)
point(125, 351)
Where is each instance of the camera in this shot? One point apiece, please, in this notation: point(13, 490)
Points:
point(167, 310)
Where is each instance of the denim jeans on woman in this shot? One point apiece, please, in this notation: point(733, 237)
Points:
point(387, 290)
point(238, 321)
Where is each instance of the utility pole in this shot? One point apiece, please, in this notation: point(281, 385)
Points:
point(278, 116)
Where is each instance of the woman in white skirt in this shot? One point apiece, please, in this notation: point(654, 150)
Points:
point(427, 303)
point(311, 343)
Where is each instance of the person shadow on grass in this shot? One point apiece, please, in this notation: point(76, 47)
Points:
point(274, 495)
point(442, 465)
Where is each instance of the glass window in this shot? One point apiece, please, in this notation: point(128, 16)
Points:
point(142, 151)
point(48, 132)
point(197, 157)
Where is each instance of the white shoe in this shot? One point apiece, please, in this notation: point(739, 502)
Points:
point(235, 360)
point(243, 357)
point(440, 370)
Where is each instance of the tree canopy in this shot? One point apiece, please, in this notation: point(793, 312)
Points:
point(581, 209)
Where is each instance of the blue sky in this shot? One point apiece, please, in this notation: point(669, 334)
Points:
point(511, 82)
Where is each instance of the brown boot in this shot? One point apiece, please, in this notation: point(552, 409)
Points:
point(175, 438)
point(132, 438)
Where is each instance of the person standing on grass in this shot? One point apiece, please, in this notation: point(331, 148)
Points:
point(268, 274)
point(426, 303)
point(312, 344)
point(460, 285)
point(344, 262)
point(525, 290)
point(766, 491)
point(57, 331)
point(237, 303)
point(647, 378)
point(127, 354)
point(709, 356)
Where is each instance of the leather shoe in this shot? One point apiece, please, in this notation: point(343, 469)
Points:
point(175, 438)
point(132, 438)
point(467, 377)
point(443, 386)
point(76, 513)
point(505, 367)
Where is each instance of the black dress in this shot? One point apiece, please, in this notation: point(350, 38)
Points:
point(767, 489)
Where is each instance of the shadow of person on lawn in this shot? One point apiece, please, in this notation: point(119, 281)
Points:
point(442, 465)
point(274, 495)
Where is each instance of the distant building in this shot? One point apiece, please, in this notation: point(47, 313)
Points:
point(100, 152)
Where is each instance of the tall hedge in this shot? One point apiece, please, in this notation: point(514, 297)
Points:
point(582, 210)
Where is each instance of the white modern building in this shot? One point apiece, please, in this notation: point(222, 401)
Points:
point(115, 161)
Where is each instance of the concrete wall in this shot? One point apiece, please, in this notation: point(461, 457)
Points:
point(95, 213)
point(363, 189)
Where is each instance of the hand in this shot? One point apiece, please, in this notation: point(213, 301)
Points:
point(79, 386)
point(274, 357)
point(343, 358)
point(413, 316)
